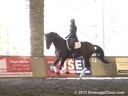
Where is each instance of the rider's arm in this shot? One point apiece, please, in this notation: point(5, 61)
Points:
point(68, 36)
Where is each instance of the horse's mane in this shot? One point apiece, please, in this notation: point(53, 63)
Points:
point(54, 34)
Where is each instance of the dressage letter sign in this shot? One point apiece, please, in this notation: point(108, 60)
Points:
point(122, 65)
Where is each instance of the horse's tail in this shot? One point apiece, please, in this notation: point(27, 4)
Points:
point(100, 53)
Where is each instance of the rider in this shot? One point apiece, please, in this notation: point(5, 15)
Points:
point(72, 36)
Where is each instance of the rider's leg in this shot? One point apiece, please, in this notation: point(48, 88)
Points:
point(73, 50)
point(72, 47)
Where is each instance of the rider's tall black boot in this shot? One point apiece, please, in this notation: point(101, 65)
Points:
point(73, 52)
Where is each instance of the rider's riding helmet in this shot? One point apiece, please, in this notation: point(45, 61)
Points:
point(72, 20)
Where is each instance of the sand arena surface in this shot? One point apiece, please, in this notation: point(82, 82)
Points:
point(63, 87)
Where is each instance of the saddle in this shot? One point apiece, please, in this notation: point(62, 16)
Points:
point(70, 44)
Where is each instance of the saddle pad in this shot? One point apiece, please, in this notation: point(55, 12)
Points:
point(77, 45)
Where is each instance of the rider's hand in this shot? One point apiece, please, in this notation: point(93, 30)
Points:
point(66, 37)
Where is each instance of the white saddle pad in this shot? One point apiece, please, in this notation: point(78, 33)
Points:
point(77, 45)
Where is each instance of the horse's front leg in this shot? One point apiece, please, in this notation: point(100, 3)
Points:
point(54, 66)
point(61, 64)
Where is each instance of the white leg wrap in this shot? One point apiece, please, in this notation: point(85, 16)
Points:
point(83, 72)
point(62, 71)
point(55, 69)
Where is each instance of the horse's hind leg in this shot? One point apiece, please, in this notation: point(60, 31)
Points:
point(87, 65)
point(82, 73)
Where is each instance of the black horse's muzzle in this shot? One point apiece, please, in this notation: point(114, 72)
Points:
point(48, 45)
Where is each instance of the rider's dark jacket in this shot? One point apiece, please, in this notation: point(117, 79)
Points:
point(72, 33)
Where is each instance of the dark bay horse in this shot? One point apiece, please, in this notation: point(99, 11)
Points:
point(62, 52)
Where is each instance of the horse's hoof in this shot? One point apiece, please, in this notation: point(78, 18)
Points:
point(58, 73)
point(80, 78)
point(67, 72)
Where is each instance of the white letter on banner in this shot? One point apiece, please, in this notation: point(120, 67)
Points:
point(71, 64)
point(78, 64)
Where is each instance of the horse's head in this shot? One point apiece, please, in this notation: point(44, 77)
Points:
point(48, 40)
point(54, 38)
